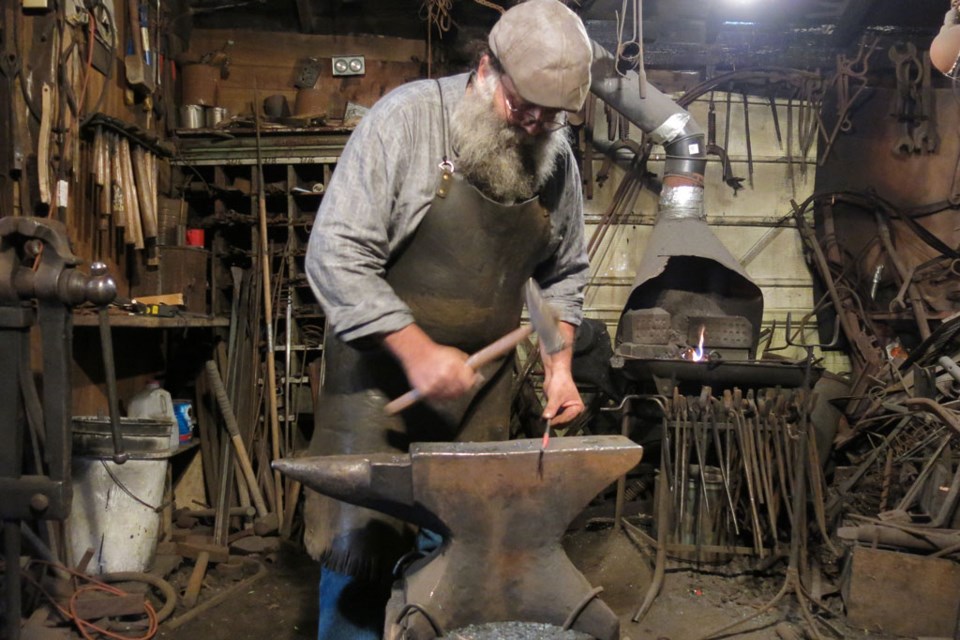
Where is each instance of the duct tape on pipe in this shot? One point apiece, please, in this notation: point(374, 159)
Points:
point(681, 202)
point(671, 128)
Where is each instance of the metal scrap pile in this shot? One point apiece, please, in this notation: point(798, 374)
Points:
point(893, 499)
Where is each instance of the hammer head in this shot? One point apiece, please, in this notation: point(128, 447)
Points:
point(543, 318)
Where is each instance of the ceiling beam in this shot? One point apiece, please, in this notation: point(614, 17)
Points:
point(305, 16)
point(791, 49)
point(851, 22)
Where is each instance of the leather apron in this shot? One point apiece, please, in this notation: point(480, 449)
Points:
point(461, 274)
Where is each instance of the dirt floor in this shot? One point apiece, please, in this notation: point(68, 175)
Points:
point(282, 605)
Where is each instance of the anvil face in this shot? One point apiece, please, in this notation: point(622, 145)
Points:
point(502, 511)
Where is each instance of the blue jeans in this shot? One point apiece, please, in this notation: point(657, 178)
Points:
point(350, 609)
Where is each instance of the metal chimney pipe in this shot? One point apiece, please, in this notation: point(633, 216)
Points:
point(680, 232)
point(667, 123)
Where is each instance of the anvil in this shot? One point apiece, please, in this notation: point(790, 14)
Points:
point(501, 511)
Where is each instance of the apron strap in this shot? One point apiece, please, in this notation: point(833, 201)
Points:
point(446, 165)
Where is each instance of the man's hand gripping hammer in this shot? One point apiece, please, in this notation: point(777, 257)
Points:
point(543, 320)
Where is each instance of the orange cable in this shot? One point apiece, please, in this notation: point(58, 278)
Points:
point(96, 585)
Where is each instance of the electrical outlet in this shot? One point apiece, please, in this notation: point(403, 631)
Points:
point(349, 66)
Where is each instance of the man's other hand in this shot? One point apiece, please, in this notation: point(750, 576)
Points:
point(563, 399)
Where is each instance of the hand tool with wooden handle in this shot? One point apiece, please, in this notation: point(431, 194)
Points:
point(192, 594)
point(43, 144)
point(543, 320)
point(230, 420)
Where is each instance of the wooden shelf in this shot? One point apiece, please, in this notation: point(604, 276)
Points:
point(185, 321)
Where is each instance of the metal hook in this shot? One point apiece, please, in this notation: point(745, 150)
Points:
point(768, 348)
point(834, 341)
point(658, 400)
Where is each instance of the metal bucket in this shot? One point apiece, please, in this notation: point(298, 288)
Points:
point(114, 505)
point(214, 116)
point(704, 520)
point(191, 116)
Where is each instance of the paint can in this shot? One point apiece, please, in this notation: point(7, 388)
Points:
point(191, 116)
point(214, 116)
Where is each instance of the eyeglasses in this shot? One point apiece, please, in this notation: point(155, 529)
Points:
point(526, 114)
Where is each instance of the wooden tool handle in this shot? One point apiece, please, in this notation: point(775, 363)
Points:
point(499, 348)
point(192, 593)
point(482, 357)
point(220, 393)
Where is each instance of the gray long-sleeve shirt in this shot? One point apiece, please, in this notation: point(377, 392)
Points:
point(383, 185)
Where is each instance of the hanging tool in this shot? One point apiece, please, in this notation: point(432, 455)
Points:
point(630, 52)
point(11, 157)
point(776, 120)
point(790, 172)
point(848, 70)
point(135, 64)
point(117, 205)
point(43, 144)
point(746, 133)
point(543, 320)
point(131, 197)
point(909, 72)
point(726, 119)
point(714, 149)
point(925, 136)
point(145, 194)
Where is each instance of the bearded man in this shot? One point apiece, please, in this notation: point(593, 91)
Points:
point(449, 195)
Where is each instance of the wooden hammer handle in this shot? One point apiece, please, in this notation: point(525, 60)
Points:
point(230, 419)
point(192, 593)
point(484, 356)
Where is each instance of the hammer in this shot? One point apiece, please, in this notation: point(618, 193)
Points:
point(543, 320)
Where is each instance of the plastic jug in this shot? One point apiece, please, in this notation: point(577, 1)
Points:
point(155, 403)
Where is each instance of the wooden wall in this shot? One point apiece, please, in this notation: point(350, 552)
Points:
point(57, 56)
point(264, 64)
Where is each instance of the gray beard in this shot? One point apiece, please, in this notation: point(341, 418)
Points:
point(501, 160)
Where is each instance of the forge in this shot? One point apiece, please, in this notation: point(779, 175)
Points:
point(693, 316)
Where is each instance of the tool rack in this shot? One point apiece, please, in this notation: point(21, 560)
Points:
point(221, 189)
